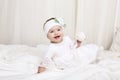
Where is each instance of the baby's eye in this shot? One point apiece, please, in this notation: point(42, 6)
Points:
point(51, 31)
point(58, 29)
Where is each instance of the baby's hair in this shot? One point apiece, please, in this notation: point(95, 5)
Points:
point(48, 20)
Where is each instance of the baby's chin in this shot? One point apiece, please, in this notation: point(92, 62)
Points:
point(57, 41)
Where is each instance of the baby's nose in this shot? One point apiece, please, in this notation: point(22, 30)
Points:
point(56, 32)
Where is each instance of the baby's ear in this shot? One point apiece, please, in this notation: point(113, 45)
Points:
point(80, 36)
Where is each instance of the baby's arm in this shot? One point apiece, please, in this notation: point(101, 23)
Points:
point(46, 63)
point(73, 43)
point(79, 38)
point(41, 67)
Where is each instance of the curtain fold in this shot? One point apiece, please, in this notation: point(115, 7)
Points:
point(96, 19)
point(117, 16)
point(21, 21)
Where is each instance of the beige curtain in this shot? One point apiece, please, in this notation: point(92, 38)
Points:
point(21, 21)
point(97, 19)
point(117, 16)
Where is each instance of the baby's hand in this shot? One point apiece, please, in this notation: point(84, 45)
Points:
point(80, 36)
point(41, 69)
point(78, 43)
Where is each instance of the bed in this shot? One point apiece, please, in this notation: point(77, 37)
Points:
point(20, 62)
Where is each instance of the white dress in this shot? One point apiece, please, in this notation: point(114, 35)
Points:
point(64, 55)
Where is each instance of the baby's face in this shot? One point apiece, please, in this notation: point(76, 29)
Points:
point(55, 34)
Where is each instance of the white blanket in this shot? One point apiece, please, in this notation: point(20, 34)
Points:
point(20, 62)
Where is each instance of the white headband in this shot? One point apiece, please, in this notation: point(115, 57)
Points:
point(53, 22)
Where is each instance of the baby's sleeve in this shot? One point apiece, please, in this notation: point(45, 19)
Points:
point(48, 61)
point(71, 43)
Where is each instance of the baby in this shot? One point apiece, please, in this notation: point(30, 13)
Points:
point(64, 53)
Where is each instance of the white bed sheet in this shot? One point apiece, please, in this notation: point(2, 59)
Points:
point(20, 62)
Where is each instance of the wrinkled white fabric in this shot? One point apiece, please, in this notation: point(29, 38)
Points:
point(18, 66)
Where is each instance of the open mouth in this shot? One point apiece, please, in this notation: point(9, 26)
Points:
point(56, 37)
